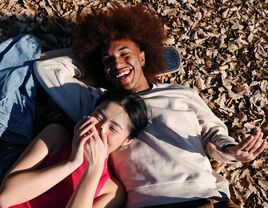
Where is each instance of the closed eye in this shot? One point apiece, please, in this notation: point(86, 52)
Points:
point(114, 129)
point(124, 54)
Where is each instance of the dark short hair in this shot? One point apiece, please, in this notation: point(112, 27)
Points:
point(136, 23)
point(134, 106)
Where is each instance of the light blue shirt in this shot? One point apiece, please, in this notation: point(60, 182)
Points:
point(18, 88)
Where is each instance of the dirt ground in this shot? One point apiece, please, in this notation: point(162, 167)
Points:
point(224, 49)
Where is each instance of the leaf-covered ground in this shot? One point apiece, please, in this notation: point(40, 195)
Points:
point(224, 49)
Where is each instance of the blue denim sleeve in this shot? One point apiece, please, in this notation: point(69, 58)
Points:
point(18, 87)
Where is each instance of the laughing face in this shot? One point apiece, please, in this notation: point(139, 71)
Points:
point(123, 61)
point(111, 118)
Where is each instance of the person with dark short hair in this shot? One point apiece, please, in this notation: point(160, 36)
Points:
point(167, 165)
point(55, 171)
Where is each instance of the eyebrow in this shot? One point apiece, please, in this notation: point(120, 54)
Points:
point(123, 48)
point(115, 123)
point(120, 49)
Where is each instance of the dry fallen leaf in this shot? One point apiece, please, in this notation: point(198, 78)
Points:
point(224, 49)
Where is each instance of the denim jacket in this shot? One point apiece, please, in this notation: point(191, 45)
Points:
point(17, 88)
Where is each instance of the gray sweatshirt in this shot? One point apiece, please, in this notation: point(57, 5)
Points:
point(167, 162)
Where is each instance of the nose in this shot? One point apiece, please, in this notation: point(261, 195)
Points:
point(118, 61)
point(113, 64)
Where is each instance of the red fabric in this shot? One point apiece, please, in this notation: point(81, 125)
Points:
point(59, 195)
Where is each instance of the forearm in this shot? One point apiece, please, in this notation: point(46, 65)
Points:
point(35, 182)
point(85, 192)
point(212, 128)
point(57, 77)
point(215, 144)
point(218, 138)
point(220, 154)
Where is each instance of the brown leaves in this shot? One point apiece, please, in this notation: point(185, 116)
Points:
point(224, 46)
point(224, 49)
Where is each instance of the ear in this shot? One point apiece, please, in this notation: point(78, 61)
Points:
point(142, 58)
point(127, 142)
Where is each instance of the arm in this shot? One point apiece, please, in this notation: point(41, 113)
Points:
point(85, 192)
point(244, 151)
point(215, 137)
point(212, 128)
point(95, 151)
point(25, 173)
point(113, 195)
point(57, 77)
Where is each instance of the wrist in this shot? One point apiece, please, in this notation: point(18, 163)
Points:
point(226, 148)
point(93, 172)
point(95, 168)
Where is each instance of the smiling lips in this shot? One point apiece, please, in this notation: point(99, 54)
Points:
point(121, 75)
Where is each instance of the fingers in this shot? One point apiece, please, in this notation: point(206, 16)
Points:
point(260, 148)
point(95, 132)
point(79, 123)
point(245, 144)
point(256, 143)
point(249, 142)
point(253, 142)
point(251, 147)
point(84, 123)
point(96, 145)
point(101, 137)
point(84, 127)
point(90, 131)
point(104, 137)
point(86, 137)
point(87, 132)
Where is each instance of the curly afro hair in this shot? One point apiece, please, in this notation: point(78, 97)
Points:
point(137, 23)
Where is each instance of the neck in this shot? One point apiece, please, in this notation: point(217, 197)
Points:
point(144, 86)
point(145, 90)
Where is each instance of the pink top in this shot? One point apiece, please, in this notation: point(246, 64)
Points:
point(59, 195)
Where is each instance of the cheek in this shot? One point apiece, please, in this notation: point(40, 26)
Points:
point(130, 60)
point(115, 142)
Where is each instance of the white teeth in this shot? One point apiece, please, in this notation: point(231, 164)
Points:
point(122, 74)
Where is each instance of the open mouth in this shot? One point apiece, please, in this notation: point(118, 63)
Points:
point(121, 75)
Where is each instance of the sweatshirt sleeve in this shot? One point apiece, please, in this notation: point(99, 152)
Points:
point(212, 128)
point(57, 77)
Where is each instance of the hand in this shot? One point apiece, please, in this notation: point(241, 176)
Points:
point(81, 135)
point(244, 151)
point(249, 148)
point(96, 148)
